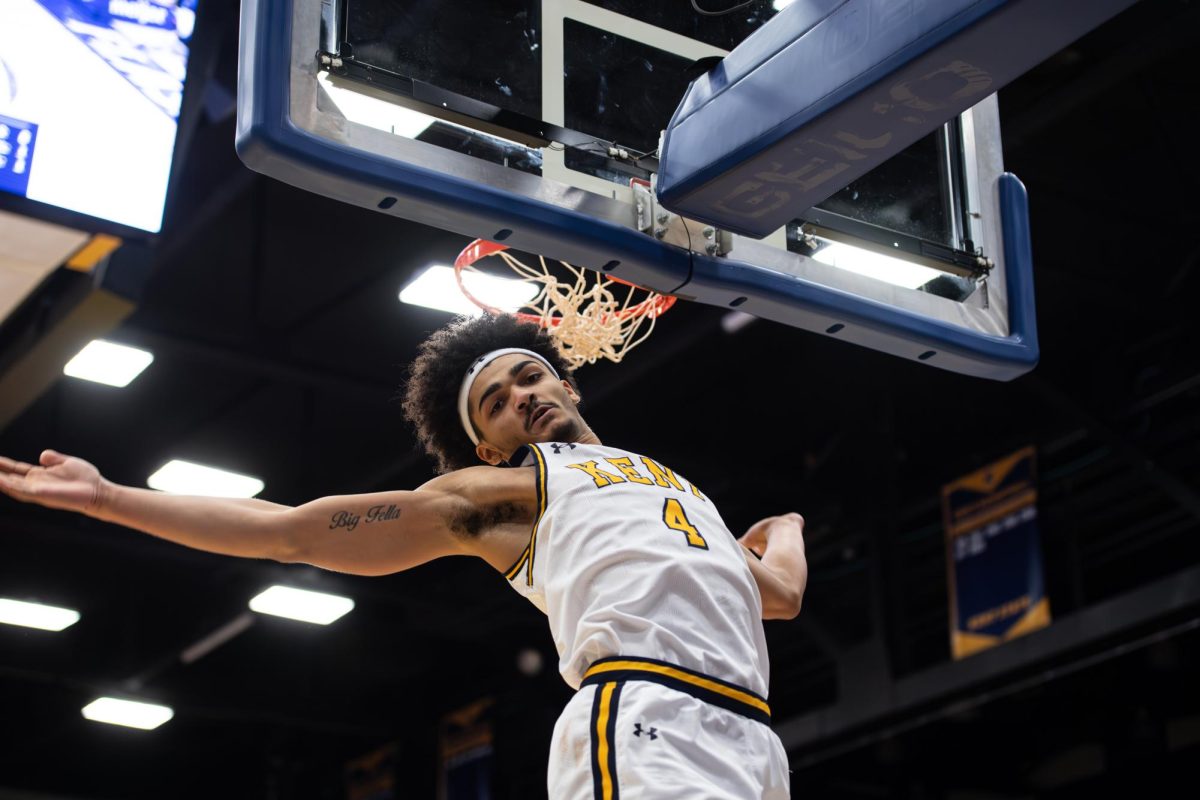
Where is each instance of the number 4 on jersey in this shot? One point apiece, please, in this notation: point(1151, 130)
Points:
point(676, 520)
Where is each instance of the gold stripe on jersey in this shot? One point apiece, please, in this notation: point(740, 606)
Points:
point(541, 501)
point(515, 569)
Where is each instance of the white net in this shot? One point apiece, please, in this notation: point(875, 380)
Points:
point(590, 315)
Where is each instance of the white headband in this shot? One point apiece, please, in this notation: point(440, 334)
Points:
point(473, 372)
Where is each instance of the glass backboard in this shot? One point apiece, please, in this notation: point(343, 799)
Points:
point(537, 123)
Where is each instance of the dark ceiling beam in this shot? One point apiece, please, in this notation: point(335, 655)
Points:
point(1185, 271)
point(202, 219)
point(325, 723)
point(391, 475)
point(191, 653)
point(1154, 531)
point(820, 634)
point(288, 719)
point(345, 386)
point(62, 529)
point(1122, 448)
point(1105, 630)
point(1170, 35)
point(8, 793)
point(865, 671)
point(1174, 390)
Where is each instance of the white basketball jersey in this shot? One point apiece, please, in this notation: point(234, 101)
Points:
point(628, 558)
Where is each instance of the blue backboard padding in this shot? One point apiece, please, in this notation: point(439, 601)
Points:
point(269, 142)
point(829, 89)
point(795, 301)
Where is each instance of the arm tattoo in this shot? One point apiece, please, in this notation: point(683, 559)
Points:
point(349, 520)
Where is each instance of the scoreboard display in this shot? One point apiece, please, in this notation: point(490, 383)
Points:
point(90, 93)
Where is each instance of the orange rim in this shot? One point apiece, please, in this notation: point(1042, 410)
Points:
point(481, 249)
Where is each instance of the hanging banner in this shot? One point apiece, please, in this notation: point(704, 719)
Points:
point(994, 555)
point(373, 776)
point(465, 749)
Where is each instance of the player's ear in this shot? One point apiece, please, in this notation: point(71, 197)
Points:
point(488, 454)
point(571, 392)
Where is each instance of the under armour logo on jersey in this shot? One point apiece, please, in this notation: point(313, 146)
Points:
point(558, 448)
point(638, 731)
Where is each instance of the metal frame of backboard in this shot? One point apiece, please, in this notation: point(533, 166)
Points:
point(290, 128)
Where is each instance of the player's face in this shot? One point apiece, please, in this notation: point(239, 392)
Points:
point(516, 401)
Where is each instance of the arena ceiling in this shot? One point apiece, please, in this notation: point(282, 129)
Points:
point(279, 347)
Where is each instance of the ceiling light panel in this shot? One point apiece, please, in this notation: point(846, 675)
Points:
point(300, 604)
point(185, 477)
point(108, 363)
point(36, 615)
point(437, 288)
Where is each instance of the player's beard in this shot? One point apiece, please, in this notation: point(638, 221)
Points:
point(566, 430)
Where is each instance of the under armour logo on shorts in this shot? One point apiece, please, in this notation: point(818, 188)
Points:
point(638, 731)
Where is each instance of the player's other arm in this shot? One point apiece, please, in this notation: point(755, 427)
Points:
point(370, 534)
point(782, 572)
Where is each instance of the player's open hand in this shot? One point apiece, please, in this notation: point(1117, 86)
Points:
point(757, 538)
point(59, 482)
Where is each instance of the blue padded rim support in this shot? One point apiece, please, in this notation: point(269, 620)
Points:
point(269, 142)
point(826, 91)
point(800, 303)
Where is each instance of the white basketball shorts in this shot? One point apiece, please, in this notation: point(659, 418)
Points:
point(642, 730)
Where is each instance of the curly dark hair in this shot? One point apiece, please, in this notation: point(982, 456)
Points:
point(434, 378)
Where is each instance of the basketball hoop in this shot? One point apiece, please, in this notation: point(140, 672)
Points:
point(587, 316)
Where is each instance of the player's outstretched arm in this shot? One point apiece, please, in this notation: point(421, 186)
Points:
point(778, 563)
point(369, 534)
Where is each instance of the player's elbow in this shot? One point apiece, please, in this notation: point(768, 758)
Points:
point(794, 602)
point(783, 604)
point(288, 551)
point(281, 542)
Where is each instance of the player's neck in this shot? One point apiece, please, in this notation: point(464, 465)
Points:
point(587, 437)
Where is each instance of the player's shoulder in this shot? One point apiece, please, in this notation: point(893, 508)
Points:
point(486, 485)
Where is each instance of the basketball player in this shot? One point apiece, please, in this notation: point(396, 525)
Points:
point(655, 608)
